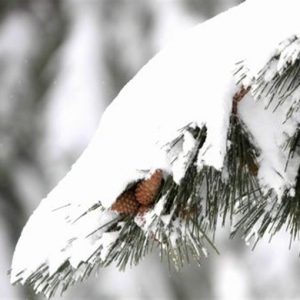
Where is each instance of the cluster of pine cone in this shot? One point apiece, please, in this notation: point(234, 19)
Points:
point(139, 198)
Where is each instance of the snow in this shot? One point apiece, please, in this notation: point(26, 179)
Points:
point(106, 240)
point(190, 81)
point(268, 127)
point(289, 53)
point(181, 163)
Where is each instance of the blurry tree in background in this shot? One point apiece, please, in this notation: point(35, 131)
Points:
point(61, 63)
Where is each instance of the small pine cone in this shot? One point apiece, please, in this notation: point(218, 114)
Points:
point(126, 203)
point(147, 190)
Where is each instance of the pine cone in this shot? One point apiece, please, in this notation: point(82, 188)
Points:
point(126, 203)
point(147, 190)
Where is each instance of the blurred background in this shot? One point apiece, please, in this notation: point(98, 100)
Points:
point(61, 63)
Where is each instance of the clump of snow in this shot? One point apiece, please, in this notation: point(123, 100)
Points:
point(149, 220)
point(106, 241)
point(268, 127)
point(180, 165)
point(289, 52)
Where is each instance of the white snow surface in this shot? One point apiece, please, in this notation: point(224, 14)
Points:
point(180, 165)
point(269, 127)
point(191, 80)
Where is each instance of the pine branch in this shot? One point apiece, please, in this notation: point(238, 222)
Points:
point(279, 80)
point(182, 217)
point(278, 85)
point(268, 214)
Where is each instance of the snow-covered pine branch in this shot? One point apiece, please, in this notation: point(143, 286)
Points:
point(208, 130)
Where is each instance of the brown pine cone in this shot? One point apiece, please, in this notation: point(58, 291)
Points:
point(126, 203)
point(147, 190)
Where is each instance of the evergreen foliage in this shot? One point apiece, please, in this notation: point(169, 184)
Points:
point(183, 220)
